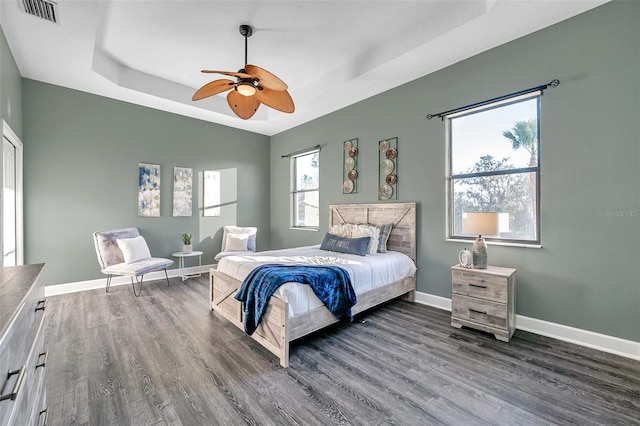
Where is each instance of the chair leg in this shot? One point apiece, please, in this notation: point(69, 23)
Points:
point(134, 287)
point(167, 277)
point(108, 283)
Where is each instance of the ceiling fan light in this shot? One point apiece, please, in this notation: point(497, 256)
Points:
point(246, 89)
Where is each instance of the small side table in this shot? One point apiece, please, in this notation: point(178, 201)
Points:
point(484, 299)
point(181, 256)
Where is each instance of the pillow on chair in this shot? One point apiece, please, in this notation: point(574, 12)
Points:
point(248, 231)
point(134, 249)
point(237, 242)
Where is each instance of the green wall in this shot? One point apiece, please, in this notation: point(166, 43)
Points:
point(587, 273)
point(81, 155)
point(10, 88)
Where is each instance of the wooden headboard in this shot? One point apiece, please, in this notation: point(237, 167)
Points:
point(402, 215)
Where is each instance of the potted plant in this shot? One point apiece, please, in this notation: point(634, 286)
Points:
point(186, 243)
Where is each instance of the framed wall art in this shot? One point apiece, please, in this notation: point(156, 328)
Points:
point(182, 191)
point(149, 190)
point(349, 162)
point(388, 169)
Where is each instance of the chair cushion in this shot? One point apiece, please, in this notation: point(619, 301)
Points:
point(134, 249)
point(237, 242)
point(251, 231)
point(138, 268)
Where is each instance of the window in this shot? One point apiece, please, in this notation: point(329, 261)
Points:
point(494, 167)
point(305, 189)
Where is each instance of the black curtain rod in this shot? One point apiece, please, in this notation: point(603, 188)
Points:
point(443, 114)
point(318, 147)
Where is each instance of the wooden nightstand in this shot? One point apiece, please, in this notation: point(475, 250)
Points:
point(484, 299)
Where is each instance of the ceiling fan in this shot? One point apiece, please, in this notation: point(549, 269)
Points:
point(253, 86)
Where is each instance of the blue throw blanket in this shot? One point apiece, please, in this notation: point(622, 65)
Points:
point(331, 284)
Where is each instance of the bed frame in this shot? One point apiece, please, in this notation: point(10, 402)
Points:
point(276, 330)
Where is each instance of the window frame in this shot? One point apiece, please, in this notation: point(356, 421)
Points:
point(294, 191)
point(451, 178)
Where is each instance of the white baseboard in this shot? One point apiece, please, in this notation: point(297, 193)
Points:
point(602, 342)
point(58, 289)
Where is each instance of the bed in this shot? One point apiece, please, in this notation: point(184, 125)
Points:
point(283, 322)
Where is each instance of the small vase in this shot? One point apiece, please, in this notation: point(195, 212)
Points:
point(186, 249)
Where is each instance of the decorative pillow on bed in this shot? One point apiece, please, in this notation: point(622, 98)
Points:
point(345, 245)
point(385, 231)
point(237, 242)
point(134, 249)
point(249, 231)
point(351, 230)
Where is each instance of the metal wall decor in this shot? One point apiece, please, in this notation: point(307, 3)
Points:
point(350, 174)
point(388, 171)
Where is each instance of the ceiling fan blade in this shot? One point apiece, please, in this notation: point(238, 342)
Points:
point(265, 78)
point(276, 99)
point(213, 88)
point(243, 106)
point(229, 73)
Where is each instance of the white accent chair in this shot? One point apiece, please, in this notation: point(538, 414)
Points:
point(112, 261)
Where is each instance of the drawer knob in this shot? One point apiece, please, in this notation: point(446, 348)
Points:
point(46, 415)
point(477, 285)
point(17, 385)
point(477, 311)
point(41, 305)
point(44, 362)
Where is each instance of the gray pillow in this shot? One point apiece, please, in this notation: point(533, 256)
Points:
point(385, 231)
point(345, 245)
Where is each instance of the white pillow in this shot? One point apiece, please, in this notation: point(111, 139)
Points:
point(236, 242)
point(239, 230)
point(350, 230)
point(134, 249)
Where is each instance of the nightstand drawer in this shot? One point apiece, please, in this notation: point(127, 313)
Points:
point(480, 311)
point(480, 285)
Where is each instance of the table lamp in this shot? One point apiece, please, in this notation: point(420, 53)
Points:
point(480, 224)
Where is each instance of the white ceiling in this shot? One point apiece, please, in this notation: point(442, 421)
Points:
point(331, 53)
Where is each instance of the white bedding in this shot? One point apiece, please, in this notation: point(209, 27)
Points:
point(366, 272)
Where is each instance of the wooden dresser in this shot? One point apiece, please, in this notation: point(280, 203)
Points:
point(484, 299)
point(22, 353)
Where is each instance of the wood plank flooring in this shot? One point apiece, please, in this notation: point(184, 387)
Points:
point(165, 358)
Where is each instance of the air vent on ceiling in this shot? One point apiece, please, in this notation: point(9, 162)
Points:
point(45, 9)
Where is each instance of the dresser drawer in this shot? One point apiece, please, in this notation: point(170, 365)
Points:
point(28, 395)
point(480, 285)
point(479, 311)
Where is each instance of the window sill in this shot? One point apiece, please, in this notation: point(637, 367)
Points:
point(297, 228)
point(497, 243)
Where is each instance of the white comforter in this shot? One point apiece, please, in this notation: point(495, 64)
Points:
point(366, 272)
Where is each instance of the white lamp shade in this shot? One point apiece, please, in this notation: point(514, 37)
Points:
point(480, 223)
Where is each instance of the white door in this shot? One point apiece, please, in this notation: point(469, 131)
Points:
point(9, 214)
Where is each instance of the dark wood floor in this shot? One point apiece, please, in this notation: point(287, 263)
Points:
point(164, 358)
